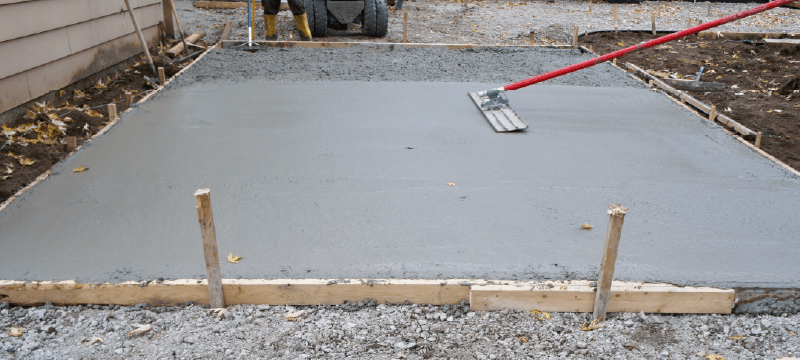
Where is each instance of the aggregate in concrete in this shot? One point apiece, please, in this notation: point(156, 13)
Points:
point(351, 179)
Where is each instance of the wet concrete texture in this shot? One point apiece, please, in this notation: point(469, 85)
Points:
point(350, 180)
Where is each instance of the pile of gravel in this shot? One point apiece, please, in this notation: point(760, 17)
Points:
point(367, 331)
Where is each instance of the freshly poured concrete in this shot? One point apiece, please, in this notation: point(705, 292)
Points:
point(350, 180)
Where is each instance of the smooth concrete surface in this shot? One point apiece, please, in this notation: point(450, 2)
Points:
point(350, 180)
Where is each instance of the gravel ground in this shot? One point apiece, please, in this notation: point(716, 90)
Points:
point(366, 331)
point(501, 22)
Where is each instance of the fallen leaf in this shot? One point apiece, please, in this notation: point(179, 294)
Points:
point(95, 340)
point(78, 94)
point(80, 169)
point(15, 332)
point(451, 184)
point(792, 332)
point(62, 93)
point(587, 226)
point(629, 347)
point(714, 357)
point(140, 329)
point(234, 259)
point(93, 113)
point(541, 315)
point(293, 315)
point(524, 339)
point(23, 161)
point(736, 337)
point(594, 325)
point(221, 312)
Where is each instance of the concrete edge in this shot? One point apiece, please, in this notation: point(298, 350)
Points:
point(226, 44)
point(102, 131)
point(484, 295)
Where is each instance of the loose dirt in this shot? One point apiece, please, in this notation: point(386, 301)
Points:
point(761, 80)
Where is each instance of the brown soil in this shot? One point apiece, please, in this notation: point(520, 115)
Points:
point(762, 81)
point(37, 137)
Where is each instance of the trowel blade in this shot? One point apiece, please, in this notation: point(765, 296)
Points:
point(502, 119)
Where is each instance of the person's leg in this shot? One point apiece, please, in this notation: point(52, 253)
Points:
point(271, 8)
point(299, 12)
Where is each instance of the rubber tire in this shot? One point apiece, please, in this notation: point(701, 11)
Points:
point(376, 18)
point(317, 13)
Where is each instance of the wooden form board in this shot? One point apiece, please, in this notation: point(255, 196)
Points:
point(380, 46)
point(16, 19)
point(21, 54)
point(232, 5)
point(699, 105)
point(578, 296)
point(569, 296)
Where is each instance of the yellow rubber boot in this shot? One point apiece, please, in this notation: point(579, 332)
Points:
point(270, 27)
point(302, 27)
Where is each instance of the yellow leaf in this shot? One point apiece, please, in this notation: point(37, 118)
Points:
point(15, 332)
point(523, 339)
point(621, 43)
point(714, 357)
point(80, 169)
point(30, 115)
point(737, 337)
point(451, 184)
point(595, 324)
point(293, 315)
point(233, 259)
point(792, 332)
point(541, 315)
point(94, 113)
point(78, 94)
point(61, 93)
point(221, 312)
point(23, 161)
point(587, 226)
point(140, 329)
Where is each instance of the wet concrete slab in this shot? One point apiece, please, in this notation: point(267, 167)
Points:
point(352, 180)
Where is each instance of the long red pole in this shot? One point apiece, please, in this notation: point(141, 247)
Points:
point(645, 45)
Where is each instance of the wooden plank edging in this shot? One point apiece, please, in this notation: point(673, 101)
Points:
point(560, 296)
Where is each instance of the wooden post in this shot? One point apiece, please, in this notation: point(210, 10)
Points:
point(162, 78)
point(709, 8)
point(575, 37)
point(653, 22)
point(590, 6)
point(405, 27)
point(169, 27)
point(616, 9)
point(758, 140)
point(712, 115)
point(616, 215)
point(72, 143)
point(206, 218)
point(614, 62)
point(112, 112)
point(651, 83)
point(616, 31)
point(533, 38)
point(739, 21)
point(128, 99)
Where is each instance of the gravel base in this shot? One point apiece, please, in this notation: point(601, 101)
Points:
point(366, 331)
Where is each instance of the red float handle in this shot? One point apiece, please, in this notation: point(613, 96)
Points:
point(645, 45)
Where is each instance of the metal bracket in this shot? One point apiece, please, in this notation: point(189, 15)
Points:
point(493, 99)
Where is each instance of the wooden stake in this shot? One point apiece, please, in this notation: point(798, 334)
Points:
point(405, 27)
point(206, 218)
point(739, 21)
point(128, 99)
point(533, 40)
point(616, 216)
point(161, 77)
point(616, 31)
point(758, 140)
point(709, 8)
point(615, 61)
point(169, 27)
point(112, 112)
point(616, 9)
point(712, 115)
point(590, 6)
point(653, 23)
point(575, 37)
point(72, 143)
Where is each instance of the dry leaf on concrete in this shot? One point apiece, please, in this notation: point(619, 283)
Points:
point(80, 169)
point(451, 184)
point(737, 337)
point(221, 312)
point(140, 329)
point(587, 226)
point(524, 339)
point(594, 325)
point(293, 315)
point(15, 332)
point(95, 340)
point(540, 314)
point(714, 357)
point(234, 259)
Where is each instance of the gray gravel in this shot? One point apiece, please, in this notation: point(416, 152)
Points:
point(366, 331)
point(491, 65)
